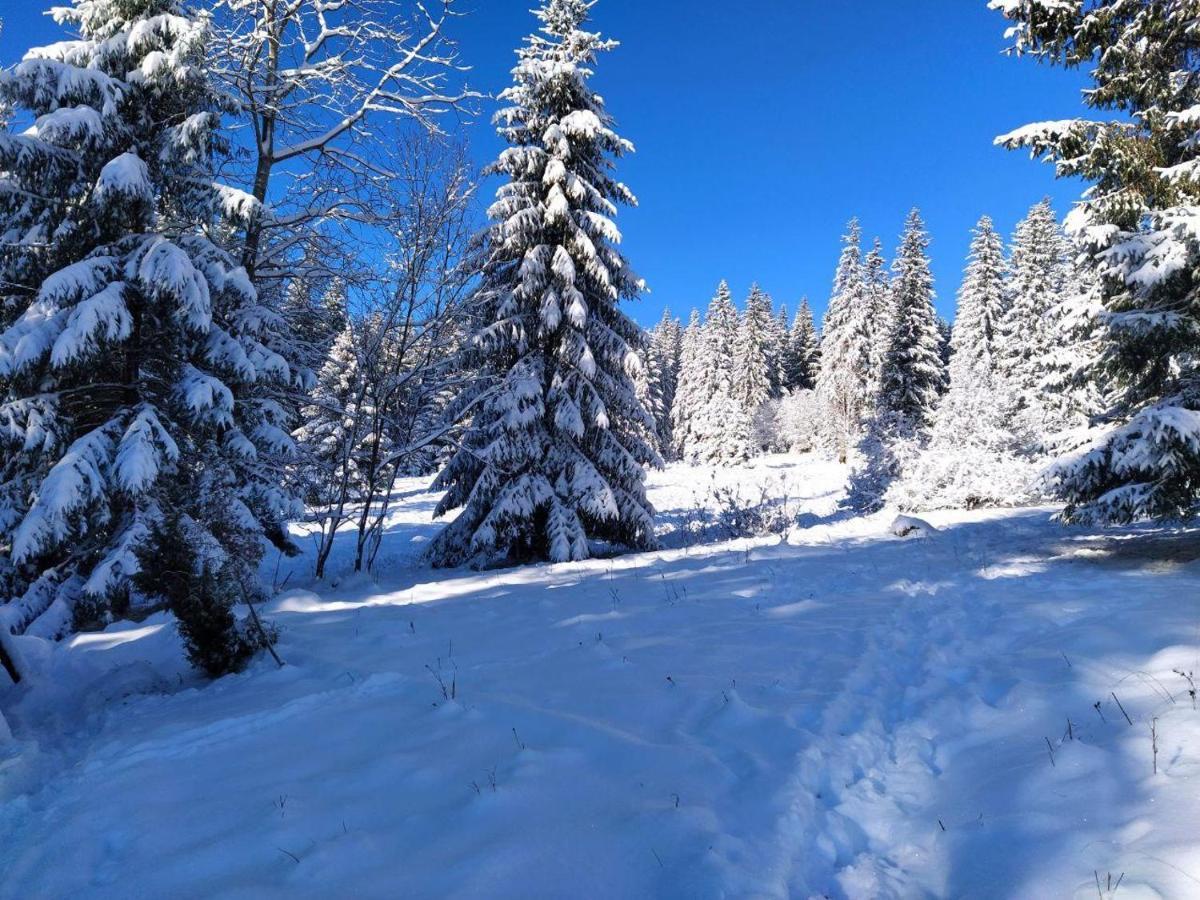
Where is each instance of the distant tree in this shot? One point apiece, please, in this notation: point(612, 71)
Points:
point(804, 351)
point(846, 374)
point(975, 456)
point(752, 354)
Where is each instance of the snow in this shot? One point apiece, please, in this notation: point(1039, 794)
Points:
point(911, 526)
point(834, 713)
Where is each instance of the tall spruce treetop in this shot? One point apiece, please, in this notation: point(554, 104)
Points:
point(554, 453)
point(913, 376)
point(134, 355)
point(976, 341)
point(847, 370)
point(804, 350)
point(881, 309)
point(1040, 271)
point(1138, 221)
point(691, 387)
point(752, 358)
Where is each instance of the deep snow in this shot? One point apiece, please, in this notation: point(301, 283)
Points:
point(842, 713)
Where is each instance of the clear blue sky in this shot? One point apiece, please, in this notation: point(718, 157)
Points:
point(762, 126)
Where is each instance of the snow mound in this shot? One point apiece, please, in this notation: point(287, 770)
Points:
point(910, 526)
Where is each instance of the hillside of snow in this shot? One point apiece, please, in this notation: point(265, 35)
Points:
point(997, 706)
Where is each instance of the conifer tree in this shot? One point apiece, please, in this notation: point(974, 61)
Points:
point(975, 455)
point(881, 314)
point(912, 377)
point(846, 373)
point(691, 391)
point(666, 347)
point(553, 456)
point(136, 363)
point(804, 350)
point(751, 374)
point(779, 352)
point(1040, 268)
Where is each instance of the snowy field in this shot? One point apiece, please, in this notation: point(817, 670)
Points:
point(837, 713)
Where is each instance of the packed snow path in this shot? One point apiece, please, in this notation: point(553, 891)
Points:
point(846, 713)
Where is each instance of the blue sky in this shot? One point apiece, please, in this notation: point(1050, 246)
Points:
point(762, 126)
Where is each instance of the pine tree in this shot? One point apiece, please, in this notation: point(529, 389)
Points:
point(136, 363)
point(666, 347)
point(779, 352)
point(1039, 282)
point(691, 391)
point(975, 456)
point(553, 456)
point(912, 376)
point(847, 372)
point(804, 350)
point(880, 316)
point(751, 375)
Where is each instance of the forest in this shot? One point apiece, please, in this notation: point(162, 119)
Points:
point(358, 537)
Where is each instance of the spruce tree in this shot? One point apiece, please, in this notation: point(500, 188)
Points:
point(804, 350)
point(666, 347)
point(691, 390)
point(844, 383)
point(975, 455)
point(136, 362)
point(1040, 271)
point(912, 376)
point(553, 456)
point(751, 375)
point(779, 352)
point(880, 315)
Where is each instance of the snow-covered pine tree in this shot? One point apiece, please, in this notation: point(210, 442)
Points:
point(881, 315)
point(691, 389)
point(804, 350)
point(1040, 274)
point(315, 318)
point(717, 427)
point(751, 375)
point(134, 352)
point(648, 385)
point(553, 456)
point(779, 352)
point(974, 456)
point(912, 376)
point(666, 346)
point(846, 374)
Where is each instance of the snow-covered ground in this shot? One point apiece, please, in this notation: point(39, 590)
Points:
point(841, 713)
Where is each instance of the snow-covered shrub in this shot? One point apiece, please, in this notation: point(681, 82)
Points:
point(797, 422)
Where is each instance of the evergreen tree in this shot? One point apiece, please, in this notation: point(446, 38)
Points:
point(881, 314)
point(779, 352)
point(975, 456)
point(912, 377)
point(691, 391)
point(553, 455)
point(804, 351)
point(1040, 270)
point(666, 347)
point(844, 383)
point(136, 363)
point(719, 428)
point(751, 375)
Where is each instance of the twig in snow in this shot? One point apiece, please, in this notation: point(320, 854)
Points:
point(1120, 707)
point(1096, 707)
point(1189, 677)
point(294, 857)
point(1050, 747)
point(1154, 742)
point(659, 858)
point(1064, 656)
point(520, 744)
